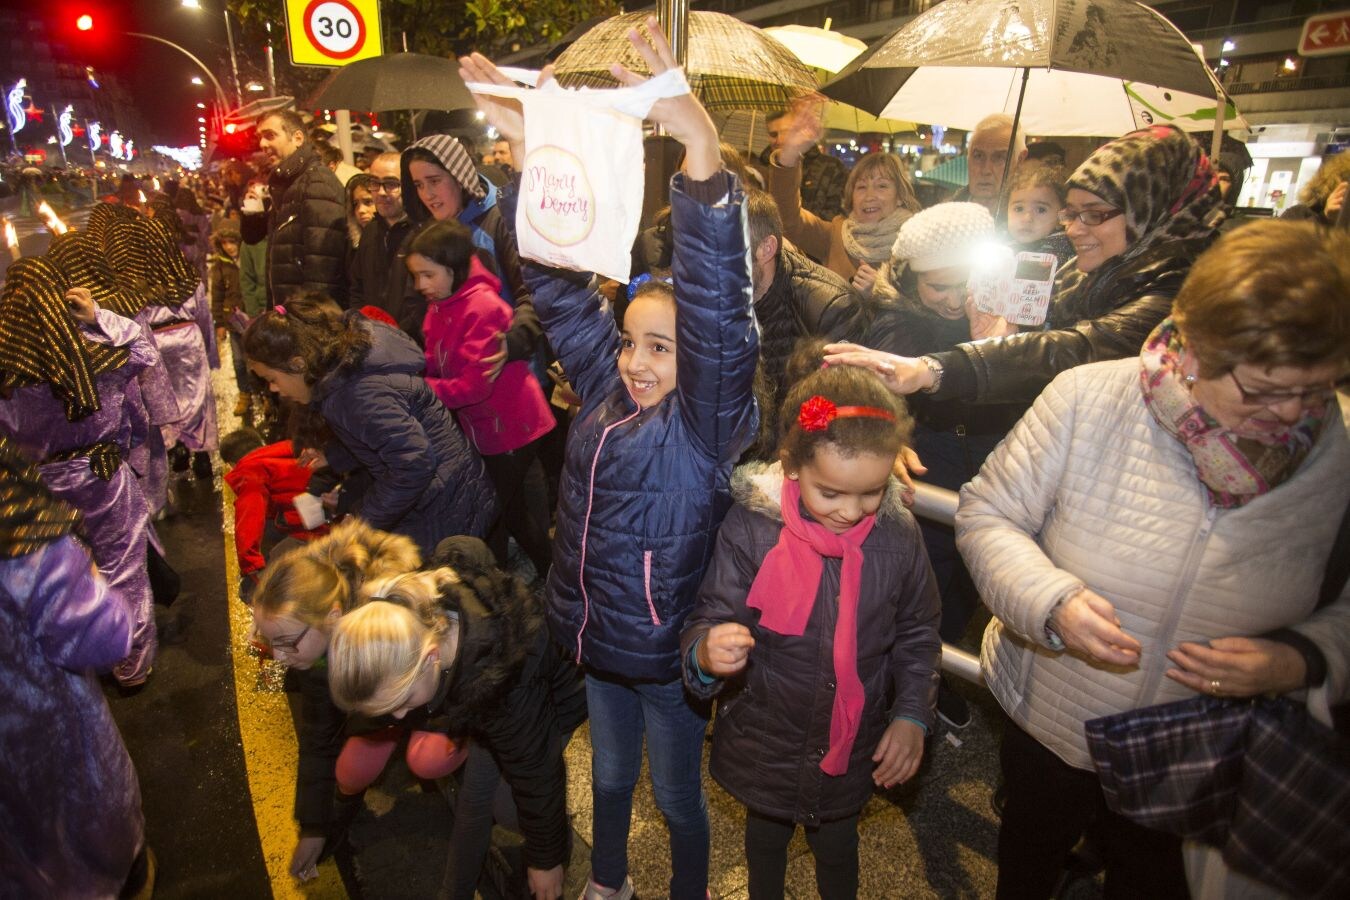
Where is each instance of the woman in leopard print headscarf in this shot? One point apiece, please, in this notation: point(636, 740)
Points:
point(1155, 204)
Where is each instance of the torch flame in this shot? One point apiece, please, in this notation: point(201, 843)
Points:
point(54, 223)
point(12, 239)
point(142, 196)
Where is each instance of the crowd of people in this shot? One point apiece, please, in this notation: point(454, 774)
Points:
point(706, 472)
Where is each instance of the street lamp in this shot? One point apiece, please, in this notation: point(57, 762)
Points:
point(229, 39)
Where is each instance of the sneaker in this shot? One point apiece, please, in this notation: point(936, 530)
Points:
point(596, 892)
point(952, 707)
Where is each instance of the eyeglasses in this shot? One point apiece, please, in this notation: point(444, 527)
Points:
point(286, 645)
point(1089, 217)
point(1274, 398)
point(388, 185)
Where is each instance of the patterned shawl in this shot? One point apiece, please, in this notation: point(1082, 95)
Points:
point(40, 342)
point(30, 516)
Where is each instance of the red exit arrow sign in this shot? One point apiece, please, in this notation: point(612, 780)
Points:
point(1325, 35)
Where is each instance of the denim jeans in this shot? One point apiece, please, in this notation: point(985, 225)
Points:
point(620, 713)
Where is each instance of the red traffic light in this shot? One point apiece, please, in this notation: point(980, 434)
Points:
point(85, 22)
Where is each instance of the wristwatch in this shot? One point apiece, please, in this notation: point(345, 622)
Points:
point(935, 368)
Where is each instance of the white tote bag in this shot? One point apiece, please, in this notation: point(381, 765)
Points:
point(581, 179)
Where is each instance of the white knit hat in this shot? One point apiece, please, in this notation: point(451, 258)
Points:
point(943, 236)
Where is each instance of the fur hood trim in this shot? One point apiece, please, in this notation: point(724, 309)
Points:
point(759, 486)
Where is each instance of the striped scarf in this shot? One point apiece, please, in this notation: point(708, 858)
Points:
point(40, 342)
point(30, 516)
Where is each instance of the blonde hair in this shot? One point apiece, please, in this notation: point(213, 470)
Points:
point(375, 656)
point(1331, 173)
point(311, 581)
point(890, 166)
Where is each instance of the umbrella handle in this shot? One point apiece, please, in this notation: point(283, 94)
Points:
point(1012, 142)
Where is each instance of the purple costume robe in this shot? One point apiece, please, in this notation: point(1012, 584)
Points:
point(70, 806)
point(116, 517)
point(186, 338)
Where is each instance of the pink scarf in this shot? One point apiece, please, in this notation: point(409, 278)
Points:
point(785, 592)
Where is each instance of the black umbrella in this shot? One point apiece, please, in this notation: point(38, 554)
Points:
point(395, 81)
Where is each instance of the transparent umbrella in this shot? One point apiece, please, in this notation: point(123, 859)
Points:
point(729, 63)
point(1064, 67)
point(827, 52)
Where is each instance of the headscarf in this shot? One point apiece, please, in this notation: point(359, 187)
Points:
point(1161, 179)
point(40, 342)
point(1165, 185)
point(30, 517)
point(145, 254)
point(451, 156)
point(103, 215)
point(79, 256)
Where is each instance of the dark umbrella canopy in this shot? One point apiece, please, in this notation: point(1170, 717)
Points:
point(395, 81)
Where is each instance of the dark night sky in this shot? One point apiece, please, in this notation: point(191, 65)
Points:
point(157, 77)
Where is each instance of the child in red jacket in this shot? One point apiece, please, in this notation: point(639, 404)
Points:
point(265, 481)
point(498, 402)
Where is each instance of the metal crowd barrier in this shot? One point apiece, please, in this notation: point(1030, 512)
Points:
point(939, 505)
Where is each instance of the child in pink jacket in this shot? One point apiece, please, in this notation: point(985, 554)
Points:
point(499, 404)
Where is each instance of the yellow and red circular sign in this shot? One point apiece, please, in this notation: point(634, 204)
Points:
point(332, 32)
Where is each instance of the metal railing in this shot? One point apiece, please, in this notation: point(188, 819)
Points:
point(939, 505)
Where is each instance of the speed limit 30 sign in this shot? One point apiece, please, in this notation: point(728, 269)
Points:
point(332, 32)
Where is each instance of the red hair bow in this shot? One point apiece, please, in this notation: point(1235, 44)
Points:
point(818, 412)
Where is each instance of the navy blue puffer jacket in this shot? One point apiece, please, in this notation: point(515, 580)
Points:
point(426, 481)
point(643, 491)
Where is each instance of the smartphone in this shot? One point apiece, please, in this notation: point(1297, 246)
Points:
point(1017, 287)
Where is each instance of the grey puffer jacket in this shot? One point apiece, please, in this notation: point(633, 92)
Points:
point(773, 718)
point(426, 481)
point(306, 229)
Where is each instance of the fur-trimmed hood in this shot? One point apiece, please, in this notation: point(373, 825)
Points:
point(759, 487)
point(499, 621)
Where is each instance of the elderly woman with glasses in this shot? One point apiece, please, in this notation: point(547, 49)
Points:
point(1162, 526)
point(1139, 211)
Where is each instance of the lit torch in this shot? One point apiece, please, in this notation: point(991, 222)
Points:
point(141, 194)
point(12, 239)
point(155, 181)
point(54, 223)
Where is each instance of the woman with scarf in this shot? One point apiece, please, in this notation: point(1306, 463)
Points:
point(1140, 210)
point(70, 806)
point(69, 400)
point(1158, 527)
point(878, 198)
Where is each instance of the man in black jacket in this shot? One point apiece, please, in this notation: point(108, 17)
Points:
point(307, 226)
point(794, 298)
point(376, 277)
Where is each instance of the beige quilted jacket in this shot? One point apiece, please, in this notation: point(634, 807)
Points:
point(1088, 490)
